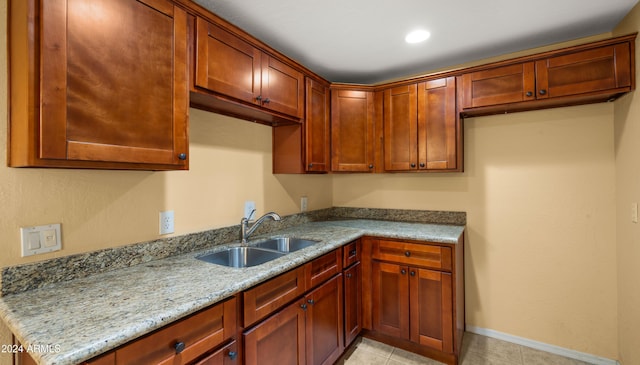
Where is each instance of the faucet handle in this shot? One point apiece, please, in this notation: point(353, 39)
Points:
point(248, 218)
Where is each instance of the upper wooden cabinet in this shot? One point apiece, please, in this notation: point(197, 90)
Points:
point(91, 87)
point(589, 73)
point(230, 67)
point(352, 130)
point(307, 147)
point(421, 128)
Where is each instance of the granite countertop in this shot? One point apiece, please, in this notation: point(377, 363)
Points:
point(80, 319)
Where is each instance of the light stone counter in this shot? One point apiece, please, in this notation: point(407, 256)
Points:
point(85, 317)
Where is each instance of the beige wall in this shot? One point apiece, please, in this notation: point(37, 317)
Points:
point(627, 149)
point(538, 189)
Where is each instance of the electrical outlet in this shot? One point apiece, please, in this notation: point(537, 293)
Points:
point(166, 222)
point(303, 204)
point(249, 207)
point(634, 212)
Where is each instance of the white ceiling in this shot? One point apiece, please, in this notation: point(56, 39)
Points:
point(362, 41)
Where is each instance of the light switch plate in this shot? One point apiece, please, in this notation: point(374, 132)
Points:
point(40, 239)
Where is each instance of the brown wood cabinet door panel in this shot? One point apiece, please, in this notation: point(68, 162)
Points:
point(199, 333)
point(324, 324)
point(352, 303)
point(282, 87)
point(390, 296)
point(318, 127)
point(437, 125)
point(265, 298)
point(352, 135)
point(228, 355)
point(322, 268)
point(415, 254)
point(582, 72)
point(279, 340)
point(431, 309)
point(400, 128)
point(111, 92)
point(501, 85)
point(226, 64)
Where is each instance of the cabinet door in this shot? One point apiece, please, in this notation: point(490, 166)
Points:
point(352, 130)
point(279, 340)
point(227, 65)
point(325, 324)
point(227, 355)
point(594, 70)
point(390, 296)
point(317, 127)
point(352, 303)
point(431, 309)
point(400, 128)
point(112, 91)
point(282, 87)
point(501, 85)
point(438, 128)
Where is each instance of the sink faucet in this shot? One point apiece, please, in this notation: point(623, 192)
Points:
point(245, 231)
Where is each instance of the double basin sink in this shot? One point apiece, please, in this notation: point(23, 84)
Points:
point(264, 251)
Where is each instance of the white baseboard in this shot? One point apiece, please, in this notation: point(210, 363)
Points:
point(592, 359)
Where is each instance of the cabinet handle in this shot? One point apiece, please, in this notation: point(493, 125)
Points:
point(182, 156)
point(422, 164)
point(259, 97)
point(542, 92)
point(403, 271)
point(310, 165)
point(371, 166)
point(303, 306)
point(311, 301)
point(529, 94)
point(407, 253)
point(413, 273)
point(413, 165)
point(179, 347)
point(233, 355)
point(352, 253)
point(349, 276)
point(266, 101)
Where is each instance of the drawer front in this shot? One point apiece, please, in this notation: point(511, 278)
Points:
point(227, 355)
point(264, 299)
point(416, 254)
point(185, 340)
point(351, 253)
point(323, 268)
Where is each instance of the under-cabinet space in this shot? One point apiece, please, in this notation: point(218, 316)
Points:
point(79, 99)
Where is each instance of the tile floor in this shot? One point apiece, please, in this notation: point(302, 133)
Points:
point(476, 350)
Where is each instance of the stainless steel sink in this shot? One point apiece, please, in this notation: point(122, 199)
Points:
point(241, 256)
point(286, 244)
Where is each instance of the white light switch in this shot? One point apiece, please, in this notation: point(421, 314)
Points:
point(40, 239)
point(634, 212)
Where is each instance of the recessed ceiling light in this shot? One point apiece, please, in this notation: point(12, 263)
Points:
point(417, 36)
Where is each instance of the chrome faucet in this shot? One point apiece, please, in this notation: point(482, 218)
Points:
point(245, 231)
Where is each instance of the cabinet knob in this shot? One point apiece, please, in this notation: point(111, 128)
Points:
point(353, 252)
point(413, 165)
point(403, 271)
point(529, 94)
point(413, 273)
point(233, 355)
point(349, 275)
point(310, 165)
point(311, 301)
point(182, 156)
point(179, 347)
point(407, 253)
point(266, 101)
point(542, 92)
point(371, 166)
point(422, 164)
point(303, 306)
point(259, 97)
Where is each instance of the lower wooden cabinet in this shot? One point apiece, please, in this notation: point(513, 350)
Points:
point(352, 303)
point(308, 331)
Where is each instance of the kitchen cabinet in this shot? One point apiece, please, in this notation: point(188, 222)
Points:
point(416, 296)
point(421, 127)
point(352, 130)
point(190, 340)
point(306, 147)
point(96, 89)
point(352, 276)
point(230, 68)
point(589, 73)
point(310, 329)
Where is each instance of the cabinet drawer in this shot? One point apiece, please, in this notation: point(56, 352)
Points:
point(264, 299)
point(323, 268)
point(227, 355)
point(351, 253)
point(415, 254)
point(198, 334)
